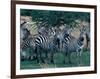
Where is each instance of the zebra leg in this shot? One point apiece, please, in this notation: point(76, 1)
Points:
point(65, 56)
point(37, 54)
point(41, 56)
point(52, 57)
point(79, 57)
point(46, 56)
point(70, 59)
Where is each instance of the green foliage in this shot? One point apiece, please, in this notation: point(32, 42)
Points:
point(58, 58)
point(53, 18)
point(25, 12)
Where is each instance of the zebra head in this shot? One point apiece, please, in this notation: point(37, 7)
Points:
point(51, 32)
point(82, 36)
point(86, 30)
point(83, 31)
point(24, 32)
point(60, 37)
point(64, 37)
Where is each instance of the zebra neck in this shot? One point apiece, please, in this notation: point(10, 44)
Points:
point(80, 43)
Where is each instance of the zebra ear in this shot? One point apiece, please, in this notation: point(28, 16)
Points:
point(23, 23)
point(69, 31)
point(83, 28)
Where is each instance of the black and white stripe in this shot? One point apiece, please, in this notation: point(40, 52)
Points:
point(43, 43)
point(40, 40)
point(69, 44)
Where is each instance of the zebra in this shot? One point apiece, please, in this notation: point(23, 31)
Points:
point(24, 32)
point(69, 44)
point(43, 44)
point(87, 34)
point(24, 41)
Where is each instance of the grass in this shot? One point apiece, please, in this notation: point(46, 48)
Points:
point(58, 58)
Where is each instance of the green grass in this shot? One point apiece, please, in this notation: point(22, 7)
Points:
point(58, 58)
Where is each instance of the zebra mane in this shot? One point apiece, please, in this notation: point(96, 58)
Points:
point(23, 23)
